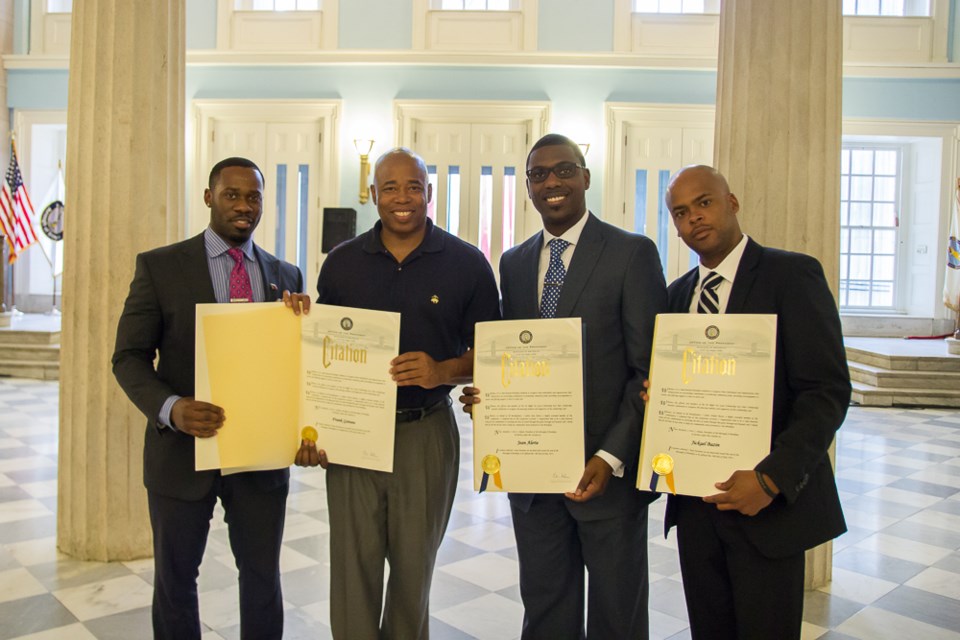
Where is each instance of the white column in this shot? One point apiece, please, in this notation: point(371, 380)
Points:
point(124, 176)
point(778, 135)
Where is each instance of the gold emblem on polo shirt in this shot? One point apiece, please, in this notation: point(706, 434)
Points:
point(435, 299)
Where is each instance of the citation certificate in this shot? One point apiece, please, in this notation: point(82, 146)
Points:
point(528, 426)
point(710, 403)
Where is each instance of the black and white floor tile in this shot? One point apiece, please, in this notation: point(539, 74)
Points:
point(896, 573)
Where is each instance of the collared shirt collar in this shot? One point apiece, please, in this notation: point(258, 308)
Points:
point(727, 268)
point(431, 243)
point(215, 245)
point(571, 235)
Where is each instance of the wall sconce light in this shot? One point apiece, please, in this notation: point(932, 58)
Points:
point(584, 148)
point(364, 147)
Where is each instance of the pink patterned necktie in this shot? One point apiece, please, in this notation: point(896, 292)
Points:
point(240, 289)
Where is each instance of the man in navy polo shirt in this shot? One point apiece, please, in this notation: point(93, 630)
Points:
point(441, 286)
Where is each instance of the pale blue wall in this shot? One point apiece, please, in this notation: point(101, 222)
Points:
point(367, 92)
point(21, 26)
point(201, 24)
point(37, 89)
point(575, 25)
point(576, 95)
point(902, 98)
point(953, 46)
point(376, 24)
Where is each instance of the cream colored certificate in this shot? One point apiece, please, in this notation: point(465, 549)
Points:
point(346, 391)
point(528, 426)
point(274, 373)
point(711, 400)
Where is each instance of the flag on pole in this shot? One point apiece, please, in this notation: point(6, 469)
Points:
point(49, 223)
point(951, 282)
point(16, 210)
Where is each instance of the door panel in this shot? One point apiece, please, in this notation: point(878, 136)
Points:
point(474, 168)
point(289, 156)
point(651, 155)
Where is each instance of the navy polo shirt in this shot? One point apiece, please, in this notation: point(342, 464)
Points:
point(441, 290)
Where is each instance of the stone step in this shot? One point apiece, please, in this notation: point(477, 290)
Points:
point(870, 396)
point(902, 355)
point(30, 352)
point(30, 369)
point(10, 336)
point(903, 379)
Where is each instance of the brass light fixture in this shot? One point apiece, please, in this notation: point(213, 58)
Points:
point(364, 147)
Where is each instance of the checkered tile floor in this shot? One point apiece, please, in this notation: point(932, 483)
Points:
point(896, 572)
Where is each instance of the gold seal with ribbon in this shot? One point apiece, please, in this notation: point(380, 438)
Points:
point(309, 434)
point(663, 466)
point(491, 467)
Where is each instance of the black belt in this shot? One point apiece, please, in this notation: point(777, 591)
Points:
point(413, 415)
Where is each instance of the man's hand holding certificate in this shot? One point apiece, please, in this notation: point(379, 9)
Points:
point(710, 401)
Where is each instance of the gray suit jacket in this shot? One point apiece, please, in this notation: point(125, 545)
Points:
point(159, 318)
point(615, 285)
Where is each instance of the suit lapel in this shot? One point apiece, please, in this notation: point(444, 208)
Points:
point(195, 269)
point(585, 257)
point(270, 270)
point(746, 275)
point(680, 301)
point(529, 261)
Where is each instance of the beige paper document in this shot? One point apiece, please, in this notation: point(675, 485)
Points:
point(275, 373)
point(528, 426)
point(711, 400)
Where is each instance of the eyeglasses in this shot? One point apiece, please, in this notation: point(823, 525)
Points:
point(563, 170)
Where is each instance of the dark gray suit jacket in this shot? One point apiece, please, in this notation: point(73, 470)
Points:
point(159, 318)
point(811, 394)
point(615, 285)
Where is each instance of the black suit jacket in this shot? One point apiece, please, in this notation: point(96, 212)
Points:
point(615, 285)
point(811, 394)
point(159, 318)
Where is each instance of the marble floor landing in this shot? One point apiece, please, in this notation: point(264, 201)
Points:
point(896, 572)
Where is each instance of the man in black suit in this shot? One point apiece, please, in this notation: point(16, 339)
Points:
point(742, 549)
point(613, 282)
point(220, 265)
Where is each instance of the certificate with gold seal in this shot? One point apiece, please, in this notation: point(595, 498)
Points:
point(280, 378)
point(528, 426)
point(711, 400)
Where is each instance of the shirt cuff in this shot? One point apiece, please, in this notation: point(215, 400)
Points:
point(165, 412)
point(613, 461)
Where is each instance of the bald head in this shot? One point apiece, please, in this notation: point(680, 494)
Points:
point(704, 212)
point(702, 171)
point(397, 153)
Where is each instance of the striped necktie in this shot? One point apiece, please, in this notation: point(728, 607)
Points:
point(553, 279)
point(709, 300)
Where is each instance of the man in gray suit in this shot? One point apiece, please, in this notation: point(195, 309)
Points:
point(613, 281)
point(158, 321)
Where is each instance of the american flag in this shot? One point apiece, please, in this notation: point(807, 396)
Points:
point(16, 210)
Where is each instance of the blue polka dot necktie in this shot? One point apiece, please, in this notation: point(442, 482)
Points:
point(553, 279)
point(709, 300)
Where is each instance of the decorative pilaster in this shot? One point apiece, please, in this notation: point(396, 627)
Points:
point(778, 122)
point(778, 134)
point(125, 184)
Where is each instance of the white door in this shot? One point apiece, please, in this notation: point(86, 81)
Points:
point(651, 155)
point(293, 143)
point(477, 174)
